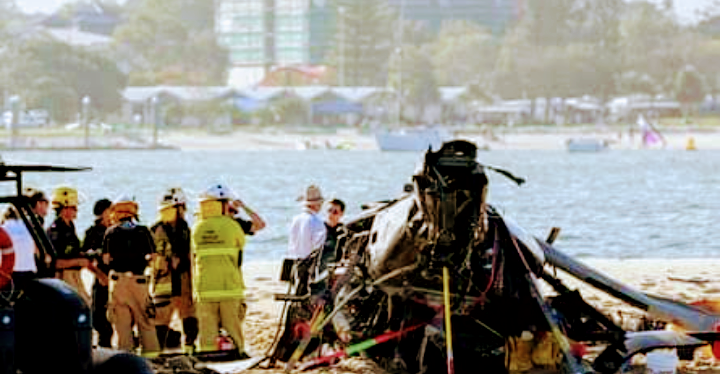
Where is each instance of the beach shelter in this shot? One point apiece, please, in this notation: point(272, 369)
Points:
point(333, 103)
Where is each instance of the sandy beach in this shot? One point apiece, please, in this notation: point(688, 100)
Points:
point(684, 280)
point(498, 139)
point(681, 279)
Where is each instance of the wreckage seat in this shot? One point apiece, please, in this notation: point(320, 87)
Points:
point(53, 329)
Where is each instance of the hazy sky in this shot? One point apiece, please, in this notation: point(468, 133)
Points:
point(685, 8)
point(45, 6)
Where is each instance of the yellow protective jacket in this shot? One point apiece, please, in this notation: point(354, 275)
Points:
point(216, 245)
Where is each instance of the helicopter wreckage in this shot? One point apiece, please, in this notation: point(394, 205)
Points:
point(437, 281)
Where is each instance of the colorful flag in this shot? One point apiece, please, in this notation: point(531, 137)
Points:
point(650, 135)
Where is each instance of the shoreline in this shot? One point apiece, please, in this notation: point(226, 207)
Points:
point(513, 139)
point(352, 139)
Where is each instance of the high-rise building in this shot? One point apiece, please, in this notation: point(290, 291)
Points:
point(262, 34)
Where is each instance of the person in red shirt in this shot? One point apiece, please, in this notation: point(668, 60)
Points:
point(7, 259)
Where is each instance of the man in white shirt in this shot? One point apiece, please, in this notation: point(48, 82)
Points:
point(25, 249)
point(307, 231)
point(307, 234)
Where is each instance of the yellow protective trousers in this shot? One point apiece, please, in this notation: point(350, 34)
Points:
point(130, 305)
point(229, 315)
point(183, 303)
point(74, 279)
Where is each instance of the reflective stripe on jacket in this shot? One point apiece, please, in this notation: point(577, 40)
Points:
point(216, 245)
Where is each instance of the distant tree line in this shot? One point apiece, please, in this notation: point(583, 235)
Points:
point(559, 48)
point(169, 42)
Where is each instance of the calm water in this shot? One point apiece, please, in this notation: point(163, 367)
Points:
point(614, 204)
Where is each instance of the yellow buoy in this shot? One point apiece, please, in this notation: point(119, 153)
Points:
point(690, 144)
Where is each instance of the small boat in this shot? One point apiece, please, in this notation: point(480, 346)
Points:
point(412, 139)
point(587, 145)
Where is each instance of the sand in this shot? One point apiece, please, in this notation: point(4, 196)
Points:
point(502, 139)
point(680, 279)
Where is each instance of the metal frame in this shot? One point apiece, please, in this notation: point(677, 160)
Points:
point(13, 173)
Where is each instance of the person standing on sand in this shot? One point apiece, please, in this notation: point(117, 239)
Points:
point(130, 247)
point(307, 235)
point(335, 212)
point(25, 268)
point(39, 204)
point(255, 224)
point(218, 285)
point(172, 280)
point(25, 248)
point(93, 243)
point(65, 241)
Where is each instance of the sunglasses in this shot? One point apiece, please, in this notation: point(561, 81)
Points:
point(334, 211)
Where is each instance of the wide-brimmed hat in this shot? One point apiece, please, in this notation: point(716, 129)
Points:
point(312, 194)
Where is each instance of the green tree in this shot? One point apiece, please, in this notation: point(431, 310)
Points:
point(172, 42)
point(364, 41)
point(653, 43)
point(54, 75)
point(463, 52)
point(9, 14)
point(549, 22)
point(414, 32)
point(632, 82)
point(689, 89)
point(562, 48)
point(412, 76)
point(705, 59)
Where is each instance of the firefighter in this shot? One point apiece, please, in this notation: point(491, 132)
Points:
point(129, 247)
point(64, 239)
point(171, 269)
point(93, 244)
point(218, 287)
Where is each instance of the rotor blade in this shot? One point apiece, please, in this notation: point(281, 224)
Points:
point(689, 316)
point(40, 168)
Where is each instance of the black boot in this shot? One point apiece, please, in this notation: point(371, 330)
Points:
point(162, 333)
point(191, 330)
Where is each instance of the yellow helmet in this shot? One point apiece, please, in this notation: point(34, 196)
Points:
point(125, 206)
point(64, 196)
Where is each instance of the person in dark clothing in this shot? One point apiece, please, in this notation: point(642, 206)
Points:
point(38, 203)
point(65, 241)
point(250, 227)
point(335, 212)
point(130, 246)
point(100, 265)
point(255, 224)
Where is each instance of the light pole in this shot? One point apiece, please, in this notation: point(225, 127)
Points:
point(14, 119)
point(86, 119)
point(341, 72)
point(156, 119)
point(399, 51)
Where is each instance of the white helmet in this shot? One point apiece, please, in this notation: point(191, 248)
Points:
point(217, 192)
point(172, 197)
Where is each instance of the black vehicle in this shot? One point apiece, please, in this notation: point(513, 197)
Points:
point(438, 281)
point(45, 326)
